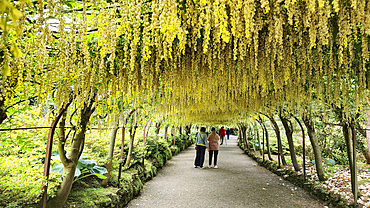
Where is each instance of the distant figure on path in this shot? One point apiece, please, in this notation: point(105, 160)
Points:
point(213, 139)
point(228, 133)
point(200, 146)
point(222, 135)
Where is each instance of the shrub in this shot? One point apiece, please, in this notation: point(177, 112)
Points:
point(21, 182)
point(274, 146)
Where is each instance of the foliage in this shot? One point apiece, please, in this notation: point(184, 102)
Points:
point(327, 161)
point(274, 145)
point(22, 156)
point(21, 181)
point(90, 197)
point(156, 50)
point(85, 168)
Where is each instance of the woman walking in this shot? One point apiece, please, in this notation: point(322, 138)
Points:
point(200, 146)
point(213, 139)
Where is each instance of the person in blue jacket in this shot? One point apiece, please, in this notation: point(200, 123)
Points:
point(228, 133)
point(200, 146)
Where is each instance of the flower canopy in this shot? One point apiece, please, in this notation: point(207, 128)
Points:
point(201, 60)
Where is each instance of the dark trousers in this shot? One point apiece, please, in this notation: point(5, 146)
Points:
point(228, 136)
point(199, 159)
point(222, 139)
point(211, 153)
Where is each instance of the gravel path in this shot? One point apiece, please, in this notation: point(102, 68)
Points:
point(239, 182)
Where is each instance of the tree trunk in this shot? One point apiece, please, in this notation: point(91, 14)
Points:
point(347, 139)
point(188, 129)
point(244, 129)
point(49, 148)
point(70, 163)
point(264, 143)
point(280, 146)
point(259, 142)
point(3, 115)
point(150, 125)
point(239, 134)
point(289, 135)
point(348, 134)
point(252, 138)
point(123, 144)
point(264, 129)
point(165, 133)
point(110, 154)
point(367, 155)
point(132, 137)
point(158, 127)
point(144, 131)
point(315, 146)
point(268, 144)
point(354, 180)
point(303, 145)
point(173, 133)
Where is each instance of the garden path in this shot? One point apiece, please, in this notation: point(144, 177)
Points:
point(239, 182)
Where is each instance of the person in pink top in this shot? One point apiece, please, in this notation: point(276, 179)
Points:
point(213, 139)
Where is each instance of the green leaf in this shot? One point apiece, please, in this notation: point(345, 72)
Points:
point(77, 172)
point(89, 164)
point(99, 170)
point(330, 161)
point(58, 168)
point(100, 176)
point(80, 165)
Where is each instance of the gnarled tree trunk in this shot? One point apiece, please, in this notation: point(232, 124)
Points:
point(315, 146)
point(110, 153)
point(158, 127)
point(289, 134)
point(132, 138)
point(245, 139)
point(70, 162)
point(303, 145)
point(278, 136)
point(266, 133)
point(3, 115)
point(268, 143)
point(259, 141)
